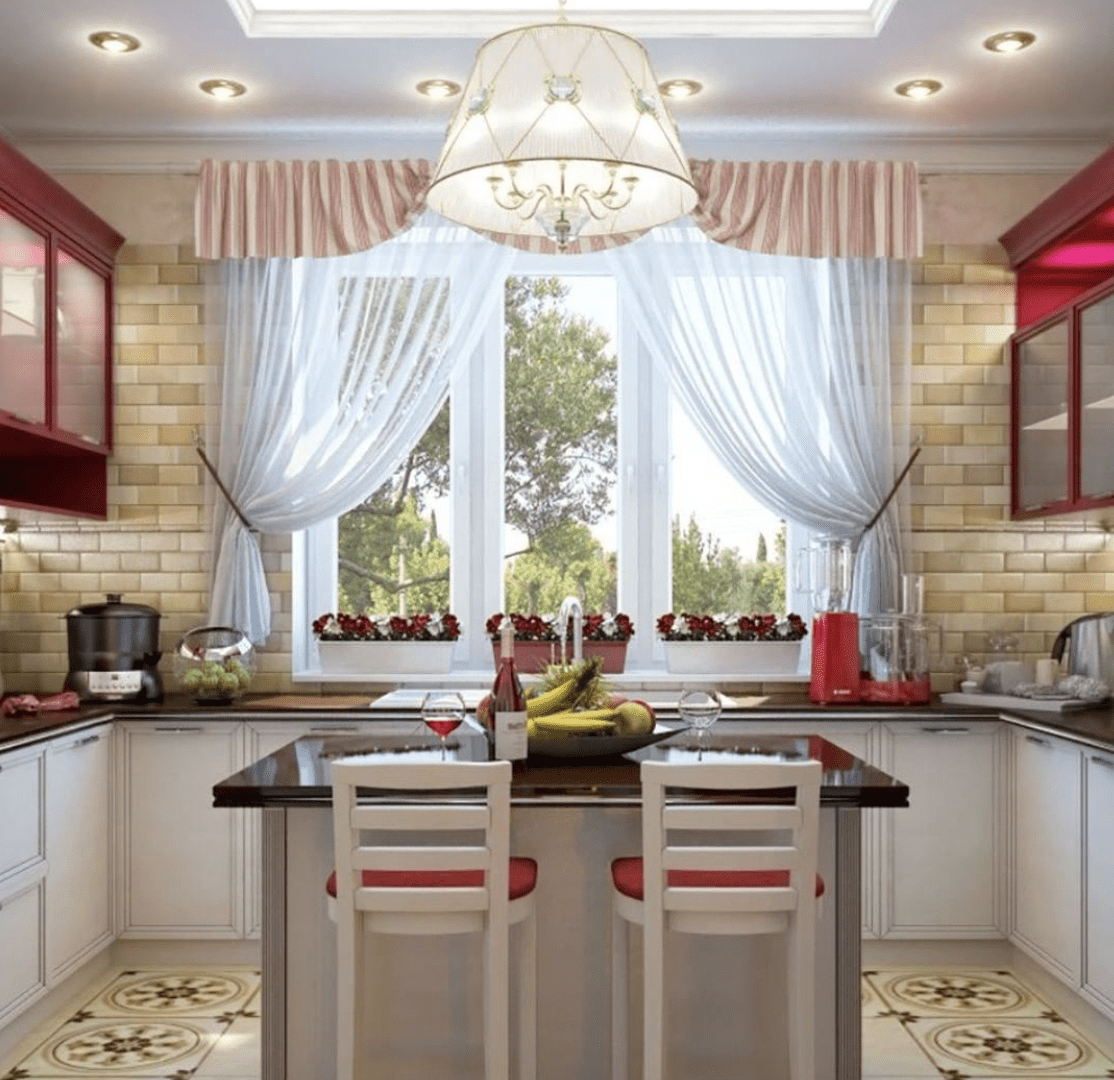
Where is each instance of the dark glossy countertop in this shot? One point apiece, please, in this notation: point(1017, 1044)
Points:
point(298, 774)
point(1093, 728)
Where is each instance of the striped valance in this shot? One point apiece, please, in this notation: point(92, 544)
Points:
point(296, 208)
point(818, 209)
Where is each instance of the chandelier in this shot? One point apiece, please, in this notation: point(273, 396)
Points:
point(561, 132)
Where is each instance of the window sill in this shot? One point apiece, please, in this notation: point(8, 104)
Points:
point(628, 680)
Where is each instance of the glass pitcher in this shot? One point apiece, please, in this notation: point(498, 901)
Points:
point(830, 566)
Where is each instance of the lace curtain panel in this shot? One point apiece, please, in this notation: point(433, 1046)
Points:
point(333, 369)
point(796, 370)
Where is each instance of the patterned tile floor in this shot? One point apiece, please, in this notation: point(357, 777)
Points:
point(967, 1025)
point(187, 1024)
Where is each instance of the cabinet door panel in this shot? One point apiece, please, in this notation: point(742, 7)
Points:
point(1096, 390)
point(943, 852)
point(1098, 976)
point(1042, 417)
point(22, 974)
point(81, 337)
point(21, 811)
point(1048, 863)
point(79, 849)
point(182, 858)
point(22, 320)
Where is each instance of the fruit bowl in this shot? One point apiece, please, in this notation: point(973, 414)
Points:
point(215, 664)
point(601, 745)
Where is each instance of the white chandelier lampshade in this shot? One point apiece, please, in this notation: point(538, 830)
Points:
point(561, 132)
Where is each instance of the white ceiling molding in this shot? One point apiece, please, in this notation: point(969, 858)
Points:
point(114, 155)
point(650, 18)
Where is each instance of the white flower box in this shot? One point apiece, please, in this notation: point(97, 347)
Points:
point(366, 659)
point(733, 657)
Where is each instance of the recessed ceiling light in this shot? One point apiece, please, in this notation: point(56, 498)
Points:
point(223, 88)
point(113, 41)
point(1009, 41)
point(680, 88)
point(918, 88)
point(438, 88)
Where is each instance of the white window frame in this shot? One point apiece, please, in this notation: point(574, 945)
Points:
point(643, 507)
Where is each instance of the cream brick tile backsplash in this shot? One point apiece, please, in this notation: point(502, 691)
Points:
point(983, 572)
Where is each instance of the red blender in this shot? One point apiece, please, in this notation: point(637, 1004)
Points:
point(835, 630)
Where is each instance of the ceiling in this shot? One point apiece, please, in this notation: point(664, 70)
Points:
point(782, 78)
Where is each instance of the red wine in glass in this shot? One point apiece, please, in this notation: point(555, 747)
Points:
point(443, 712)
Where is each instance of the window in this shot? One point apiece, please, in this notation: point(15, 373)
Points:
point(560, 465)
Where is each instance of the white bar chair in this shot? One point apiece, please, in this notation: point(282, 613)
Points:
point(763, 883)
point(404, 884)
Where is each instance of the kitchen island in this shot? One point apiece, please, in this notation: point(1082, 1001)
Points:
point(574, 817)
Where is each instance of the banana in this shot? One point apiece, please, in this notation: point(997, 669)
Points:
point(560, 697)
point(580, 723)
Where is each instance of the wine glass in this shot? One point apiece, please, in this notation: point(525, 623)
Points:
point(443, 712)
point(701, 709)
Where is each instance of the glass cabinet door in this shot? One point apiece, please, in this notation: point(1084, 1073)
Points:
point(80, 349)
point(1096, 391)
point(1042, 366)
point(22, 320)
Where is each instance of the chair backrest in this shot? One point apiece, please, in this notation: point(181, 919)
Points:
point(773, 827)
point(402, 830)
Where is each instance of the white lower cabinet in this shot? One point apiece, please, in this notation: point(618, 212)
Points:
point(1047, 860)
point(181, 860)
point(943, 857)
point(265, 737)
point(857, 737)
point(22, 872)
point(1098, 875)
point(23, 968)
point(79, 891)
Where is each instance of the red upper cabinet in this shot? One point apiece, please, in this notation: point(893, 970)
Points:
point(56, 265)
point(1062, 416)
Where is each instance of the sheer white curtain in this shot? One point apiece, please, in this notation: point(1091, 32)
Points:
point(796, 370)
point(333, 369)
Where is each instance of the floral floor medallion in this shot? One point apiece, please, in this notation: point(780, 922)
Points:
point(955, 993)
point(177, 993)
point(1013, 1045)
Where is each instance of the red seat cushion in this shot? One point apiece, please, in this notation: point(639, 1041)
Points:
point(523, 878)
point(627, 877)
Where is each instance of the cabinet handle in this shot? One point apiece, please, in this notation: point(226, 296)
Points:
point(329, 728)
point(1039, 741)
point(87, 740)
point(1103, 761)
point(180, 729)
point(946, 730)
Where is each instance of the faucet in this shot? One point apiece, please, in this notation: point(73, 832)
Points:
point(571, 606)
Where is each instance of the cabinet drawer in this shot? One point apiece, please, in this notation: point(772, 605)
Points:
point(23, 971)
point(21, 811)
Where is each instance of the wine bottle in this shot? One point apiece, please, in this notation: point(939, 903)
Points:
point(508, 701)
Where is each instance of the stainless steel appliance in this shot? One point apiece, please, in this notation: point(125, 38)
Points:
point(1089, 642)
point(114, 651)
